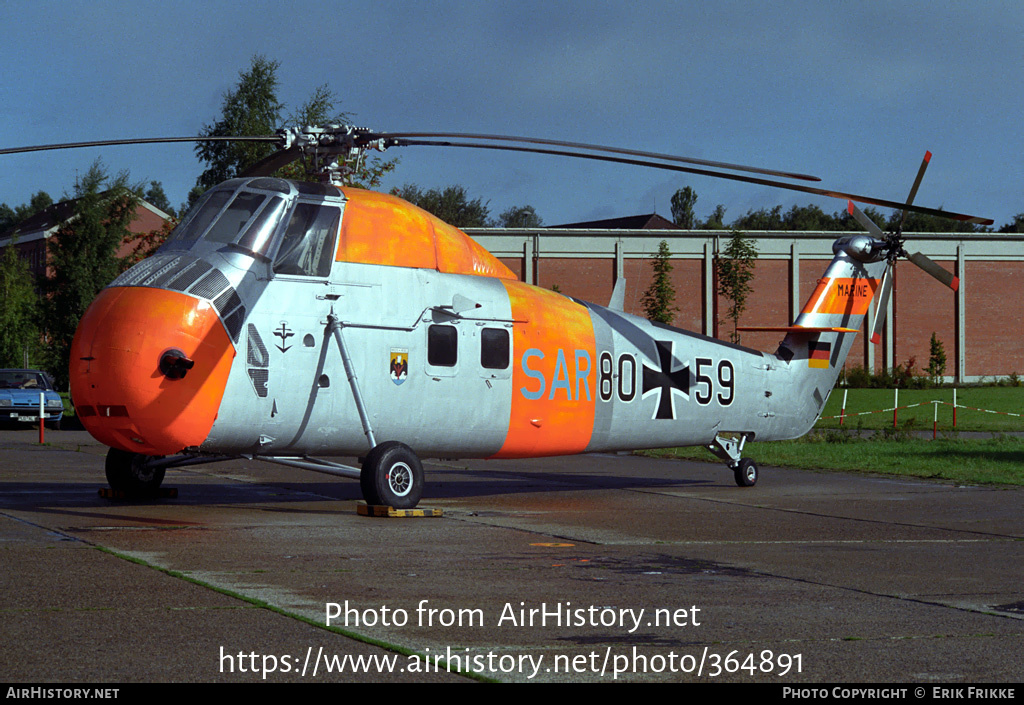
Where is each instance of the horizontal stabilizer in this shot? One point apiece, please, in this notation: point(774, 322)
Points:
point(797, 329)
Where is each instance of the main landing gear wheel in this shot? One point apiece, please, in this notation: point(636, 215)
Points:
point(745, 473)
point(127, 472)
point(392, 475)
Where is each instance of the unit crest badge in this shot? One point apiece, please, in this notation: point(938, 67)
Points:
point(399, 370)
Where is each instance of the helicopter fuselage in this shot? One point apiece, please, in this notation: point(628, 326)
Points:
point(295, 319)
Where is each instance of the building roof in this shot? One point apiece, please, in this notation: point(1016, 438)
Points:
point(45, 219)
point(57, 213)
point(652, 221)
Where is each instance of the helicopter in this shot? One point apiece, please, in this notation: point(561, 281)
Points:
point(292, 322)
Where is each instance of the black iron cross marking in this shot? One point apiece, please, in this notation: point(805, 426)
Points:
point(284, 333)
point(666, 382)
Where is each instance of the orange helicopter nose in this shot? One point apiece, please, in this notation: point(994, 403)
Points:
point(148, 369)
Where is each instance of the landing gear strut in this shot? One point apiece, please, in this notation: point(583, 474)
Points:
point(730, 449)
point(392, 474)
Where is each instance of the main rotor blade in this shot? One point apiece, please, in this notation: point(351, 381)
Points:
point(272, 162)
point(141, 140)
point(602, 148)
point(705, 172)
point(882, 306)
point(935, 270)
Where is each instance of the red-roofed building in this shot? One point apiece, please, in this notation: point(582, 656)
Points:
point(32, 234)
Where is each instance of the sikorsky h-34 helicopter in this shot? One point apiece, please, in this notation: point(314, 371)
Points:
point(286, 320)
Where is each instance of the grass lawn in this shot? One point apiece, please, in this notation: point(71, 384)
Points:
point(1006, 399)
point(998, 461)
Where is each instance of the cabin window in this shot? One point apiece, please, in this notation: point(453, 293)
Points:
point(442, 346)
point(494, 349)
point(307, 248)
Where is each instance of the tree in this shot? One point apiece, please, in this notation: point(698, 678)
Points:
point(659, 299)
point(451, 205)
point(807, 218)
point(684, 201)
point(155, 196)
point(922, 223)
point(804, 219)
point(519, 217)
point(735, 268)
point(760, 220)
point(252, 108)
point(715, 221)
point(83, 257)
point(12, 217)
point(19, 330)
point(141, 246)
point(1014, 226)
point(936, 360)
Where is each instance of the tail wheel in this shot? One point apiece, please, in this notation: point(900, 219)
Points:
point(746, 473)
point(128, 472)
point(392, 475)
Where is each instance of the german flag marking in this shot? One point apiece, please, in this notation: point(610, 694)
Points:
point(818, 354)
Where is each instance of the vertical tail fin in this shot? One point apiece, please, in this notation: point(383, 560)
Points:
point(834, 312)
point(817, 344)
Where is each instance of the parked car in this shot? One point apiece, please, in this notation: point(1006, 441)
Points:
point(19, 397)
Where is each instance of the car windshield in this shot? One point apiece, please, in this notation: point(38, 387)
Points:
point(23, 379)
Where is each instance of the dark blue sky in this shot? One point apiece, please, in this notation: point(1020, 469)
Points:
point(853, 92)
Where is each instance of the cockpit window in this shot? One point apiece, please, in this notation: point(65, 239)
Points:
point(308, 245)
point(231, 221)
point(197, 220)
point(223, 216)
point(248, 215)
point(257, 236)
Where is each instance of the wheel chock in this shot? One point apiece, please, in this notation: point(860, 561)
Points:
point(161, 493)
point(382, 510)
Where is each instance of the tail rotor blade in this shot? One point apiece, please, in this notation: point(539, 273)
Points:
point(865, 221)
point(882, 307)
point(920, 175)
point(935, 270)
point(913, 189)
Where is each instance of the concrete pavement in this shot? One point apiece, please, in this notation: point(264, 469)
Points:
point(589, 568)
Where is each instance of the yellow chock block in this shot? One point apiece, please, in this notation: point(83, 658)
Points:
point(381, 510)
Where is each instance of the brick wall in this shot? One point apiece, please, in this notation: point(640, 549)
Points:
point(995, 308)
